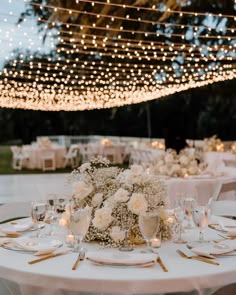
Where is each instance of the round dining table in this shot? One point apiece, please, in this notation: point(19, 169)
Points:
point(56, 277)
point(200, 187)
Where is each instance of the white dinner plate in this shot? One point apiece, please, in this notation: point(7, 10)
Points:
point(32, 245)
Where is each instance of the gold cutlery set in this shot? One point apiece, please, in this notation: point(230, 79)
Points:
point(81, 257)
point(197, 257)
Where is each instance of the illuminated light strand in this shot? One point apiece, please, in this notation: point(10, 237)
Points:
point(129, 19)
point(145, 33)
point(140, 8)
point(119, 98)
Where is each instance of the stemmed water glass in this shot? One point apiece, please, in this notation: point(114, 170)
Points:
point(149, 225)
point(179, 216)
point(79, 223)
point(38, 214)
point(189, 203)
point(201, 220)
point(126, 223)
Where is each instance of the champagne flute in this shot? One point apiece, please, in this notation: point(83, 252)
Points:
point(201, 220)
point(38, 214)
point(149, 225)
point(79, 223)
point(126, 223)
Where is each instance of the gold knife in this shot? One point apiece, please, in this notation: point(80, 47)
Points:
point(159, 260)
point(47, 257)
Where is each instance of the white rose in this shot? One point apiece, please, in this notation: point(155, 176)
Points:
point(137, 203)
point(102, 218)
point(97, 200)
point(136, 169)
point(121, 195)
point(84, 167)
point(175, 170)
point(117, 234)
point(163, 170)
point(183, 160)
point(110, 202)
point(133, 178)
point(169, 158)
point(82, 190)
point(193, 170)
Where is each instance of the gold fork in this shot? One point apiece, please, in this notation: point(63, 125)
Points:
point(81, 257)
point(199, 258)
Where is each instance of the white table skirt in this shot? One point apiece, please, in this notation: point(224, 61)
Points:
point(55, 276)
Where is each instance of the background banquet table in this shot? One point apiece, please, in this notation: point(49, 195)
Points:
point(34, 154)
point(199, 187)
point(55, 277)
point(215, 160)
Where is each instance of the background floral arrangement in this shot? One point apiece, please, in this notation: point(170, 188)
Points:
point(233, 148)
point(177, 165)
point(117, 197)
point(213, 144)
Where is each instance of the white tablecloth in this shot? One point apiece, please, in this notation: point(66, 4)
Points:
point(55, 276)
point(34, 154)
point(201, 187)
point(215, 160)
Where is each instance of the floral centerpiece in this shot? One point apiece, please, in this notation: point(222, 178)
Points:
point(158, 145)
point(117, 197)
point(233, 148)
point(177, 165)
point(213, 144)
point(106, 142)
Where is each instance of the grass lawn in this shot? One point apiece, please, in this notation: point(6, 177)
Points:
point(6, 164)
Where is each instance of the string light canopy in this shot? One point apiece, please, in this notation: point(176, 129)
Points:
point(107, 53)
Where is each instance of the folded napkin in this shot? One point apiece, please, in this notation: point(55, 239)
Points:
point(11, 228)
point(37, 245)
point(120, 259)
point(224, 247)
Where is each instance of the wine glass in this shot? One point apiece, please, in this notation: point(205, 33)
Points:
point(179, 216)
point(149, 225)
point(79, 223)
point(201, 220)
point(38, 214)
point(52, 216)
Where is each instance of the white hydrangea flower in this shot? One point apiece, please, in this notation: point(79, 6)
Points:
point(82, 190)
point(117, 234)
point(184, 160)
point(84, 167)
point(97, 199)
point(193, 170)
point(137, 203)
point(102, 218)
point(121, 195)
point(169, 158)
point(136, 169)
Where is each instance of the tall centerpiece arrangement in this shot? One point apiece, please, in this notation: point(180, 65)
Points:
point(177, 165)
point(117, 198)
point(213, 144)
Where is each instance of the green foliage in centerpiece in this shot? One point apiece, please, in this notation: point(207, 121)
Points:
point(117, 197)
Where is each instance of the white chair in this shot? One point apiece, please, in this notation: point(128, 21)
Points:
point(221, 206)
point(71, 158)
point(19, 157)
point(14, 210)
point(48, 161)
